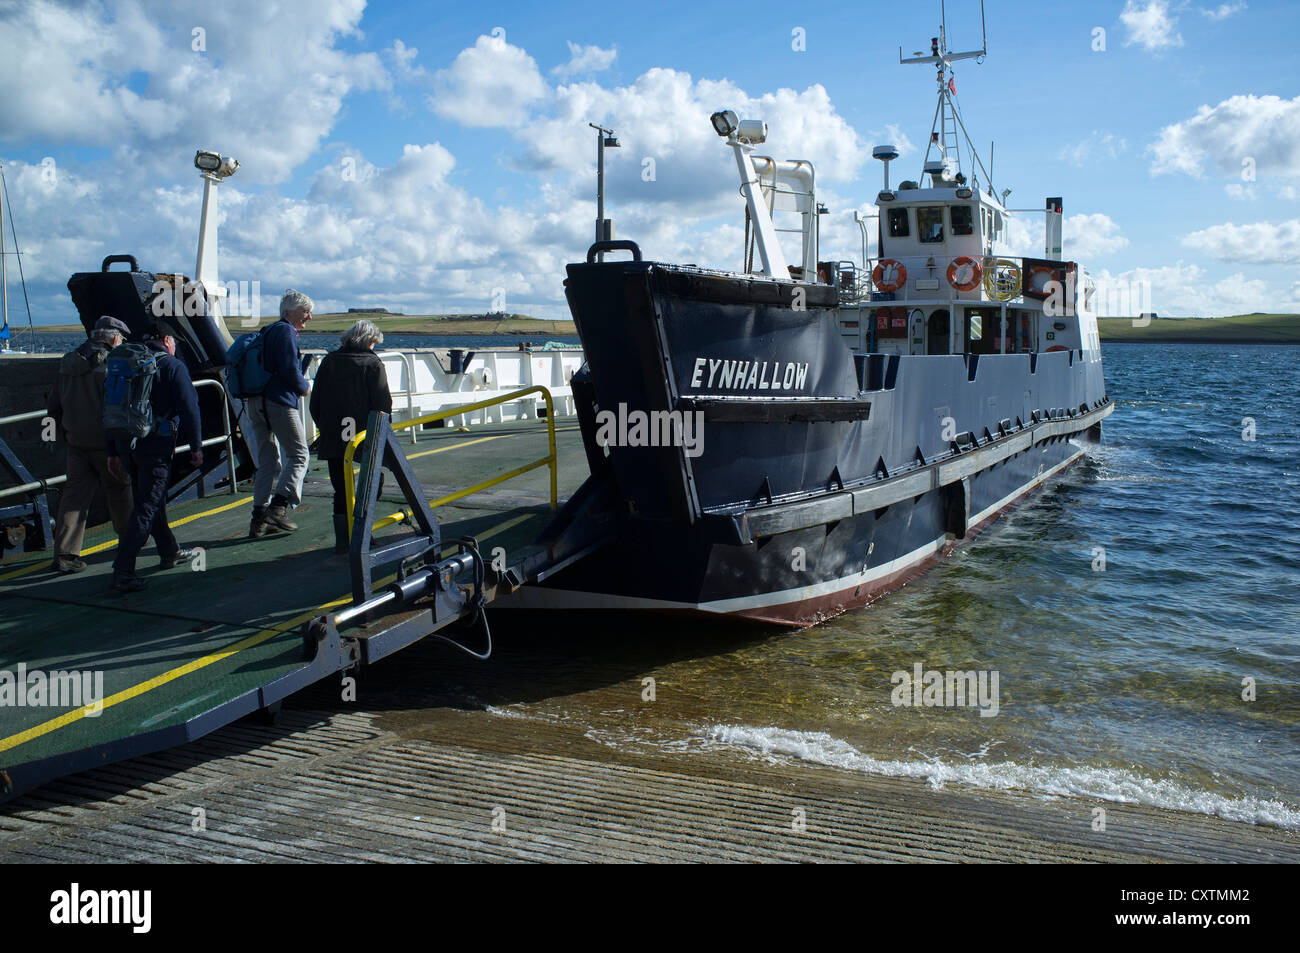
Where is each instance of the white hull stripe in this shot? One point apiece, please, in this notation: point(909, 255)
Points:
point(534, 597)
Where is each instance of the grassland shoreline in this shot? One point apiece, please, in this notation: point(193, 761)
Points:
point(432, 325)
point(1237, 329)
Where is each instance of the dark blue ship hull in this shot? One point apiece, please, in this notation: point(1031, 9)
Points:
point(817, 479)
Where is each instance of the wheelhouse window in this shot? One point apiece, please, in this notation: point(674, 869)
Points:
point(961, 219)
point(898, 223)
point(929, 225)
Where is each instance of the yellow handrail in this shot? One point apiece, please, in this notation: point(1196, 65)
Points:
point(349, 488)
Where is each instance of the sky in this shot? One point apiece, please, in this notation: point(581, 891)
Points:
point(435, 157)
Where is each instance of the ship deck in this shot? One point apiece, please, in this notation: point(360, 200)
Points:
point(199, 648)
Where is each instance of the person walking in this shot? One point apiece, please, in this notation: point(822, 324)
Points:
point(175, 406)
point(276, 423)
point(75, 404)
point(350, 383)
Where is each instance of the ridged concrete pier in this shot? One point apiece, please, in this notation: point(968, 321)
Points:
point(455, 785)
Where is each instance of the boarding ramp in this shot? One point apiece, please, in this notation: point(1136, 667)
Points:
point(105, 677)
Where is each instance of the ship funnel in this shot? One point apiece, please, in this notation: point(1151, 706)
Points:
point(885, 154)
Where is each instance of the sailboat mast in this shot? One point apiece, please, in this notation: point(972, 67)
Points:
point(4, 257)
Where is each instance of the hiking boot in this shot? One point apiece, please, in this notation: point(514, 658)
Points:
point(127, 582)
point(341, 544)
point(182, 556)
point(68, 564)
point(257, 526)
point(277, 517)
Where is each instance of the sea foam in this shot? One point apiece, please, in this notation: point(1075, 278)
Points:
point(1107, 784)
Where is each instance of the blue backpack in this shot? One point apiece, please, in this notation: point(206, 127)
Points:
point(127, 413)
point(246, 373)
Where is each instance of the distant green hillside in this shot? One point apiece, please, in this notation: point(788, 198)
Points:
point(515, 325)
point(459, 324)
point(1238, 329)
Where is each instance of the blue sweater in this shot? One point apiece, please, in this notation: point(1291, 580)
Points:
point(282, 361)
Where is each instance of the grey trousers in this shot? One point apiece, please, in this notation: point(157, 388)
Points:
point(281, 446)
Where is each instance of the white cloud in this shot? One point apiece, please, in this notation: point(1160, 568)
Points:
point(124, 78)
point(403, 235)
point(1098, 145)
point(1223, 10)
point(663, 117)
point(1259, 243)
point(403, 60)
point(586, 59)
point(1240, 192)
point(1150, 25)
point(1293, 297)
point(1255, 135)
point(1085, 237)
point(1180, 290)
point(491, 83)
point(1089, 236)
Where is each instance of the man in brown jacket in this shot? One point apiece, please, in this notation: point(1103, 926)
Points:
point(75, 404)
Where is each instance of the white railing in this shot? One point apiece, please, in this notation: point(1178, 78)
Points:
point(421, 384)
point(927, 278)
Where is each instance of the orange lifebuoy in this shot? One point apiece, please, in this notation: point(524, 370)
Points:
point(965, 273)
point(1058, 347)
point(889, 275)
point(1034, 286)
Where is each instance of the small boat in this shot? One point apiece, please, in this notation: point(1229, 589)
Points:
point(790, 441)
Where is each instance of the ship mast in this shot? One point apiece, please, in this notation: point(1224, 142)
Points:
point(944, 138)
point(4, 266)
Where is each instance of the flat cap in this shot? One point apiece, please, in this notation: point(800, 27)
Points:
point(109, 323)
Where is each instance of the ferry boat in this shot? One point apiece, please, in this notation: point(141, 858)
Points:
point(791, 441)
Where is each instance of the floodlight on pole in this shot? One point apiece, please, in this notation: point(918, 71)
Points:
point(604, 227)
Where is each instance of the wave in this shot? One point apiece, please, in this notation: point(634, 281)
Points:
point(1107, 784)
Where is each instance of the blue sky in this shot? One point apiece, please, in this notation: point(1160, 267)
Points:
point(426, 157)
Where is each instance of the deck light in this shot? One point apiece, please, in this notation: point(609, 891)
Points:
point(748, 131)
point(210, 163)
point(752, 131)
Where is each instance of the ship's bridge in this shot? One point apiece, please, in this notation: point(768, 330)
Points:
point(940, 286)
point(938, 223)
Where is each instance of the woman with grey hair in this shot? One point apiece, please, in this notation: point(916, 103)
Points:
point(276, 424)
point(350, 384)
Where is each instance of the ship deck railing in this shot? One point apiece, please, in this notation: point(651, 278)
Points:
point(420, 385)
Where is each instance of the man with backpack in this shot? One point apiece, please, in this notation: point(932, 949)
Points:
point(76, 403)
point(276, 423)
point(149, 405)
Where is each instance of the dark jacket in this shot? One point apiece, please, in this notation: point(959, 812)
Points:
point(348, 384)
point(175, 411)
point(282, 360)
point(77, 397)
